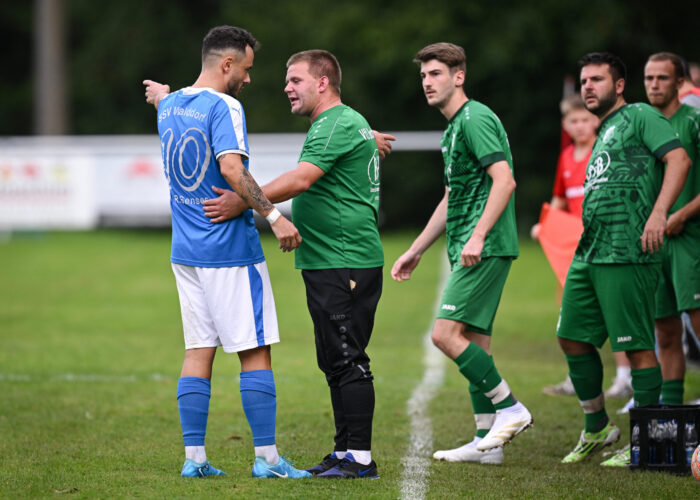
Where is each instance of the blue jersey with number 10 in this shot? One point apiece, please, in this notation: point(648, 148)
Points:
point(197, 126)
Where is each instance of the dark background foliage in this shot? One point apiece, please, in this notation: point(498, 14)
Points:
point(517, 56)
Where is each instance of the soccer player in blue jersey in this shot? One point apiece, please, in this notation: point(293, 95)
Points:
point(222, 280)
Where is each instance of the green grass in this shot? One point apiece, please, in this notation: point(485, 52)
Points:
point(91, 347)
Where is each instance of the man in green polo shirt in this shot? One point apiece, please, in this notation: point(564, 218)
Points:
point(477, 212)
point(342, 256)
point(679, 288)
point(609, 290)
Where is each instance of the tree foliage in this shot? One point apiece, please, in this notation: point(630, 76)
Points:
point(517, 55)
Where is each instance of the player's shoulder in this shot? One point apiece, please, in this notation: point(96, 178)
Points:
point(346, 114)
point(476, 111)
point(214, 98)
point(643, 109)
point(689, 111)
point(340, 118)
point(568, 151)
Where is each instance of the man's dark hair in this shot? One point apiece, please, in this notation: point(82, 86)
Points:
point(321, 63)
point(676, 61)
point(447, 53)
point(222, 38)
point(617, 67)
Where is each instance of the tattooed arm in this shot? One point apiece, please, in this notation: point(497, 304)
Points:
point(239, 178)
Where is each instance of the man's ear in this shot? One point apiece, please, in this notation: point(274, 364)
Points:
point(460, 76)
point(323, 84)
point(679, 82)
point(227, 64)
point(620, 86)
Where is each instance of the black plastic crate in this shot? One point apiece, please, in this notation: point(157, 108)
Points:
point(662, 444)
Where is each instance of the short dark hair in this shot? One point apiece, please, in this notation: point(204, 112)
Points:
point(448, 53)
point(617, 67)
point(678, 66)
point(321, 63)
point(222, 38)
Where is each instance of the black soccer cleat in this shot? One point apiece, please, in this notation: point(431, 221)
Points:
point(329, 461)
point(349, 469)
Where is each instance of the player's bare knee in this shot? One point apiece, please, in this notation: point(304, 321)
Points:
point(641, 359)
point(441, 338)
point(668, 339)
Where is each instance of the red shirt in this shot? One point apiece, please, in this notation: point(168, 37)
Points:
point(569, 179)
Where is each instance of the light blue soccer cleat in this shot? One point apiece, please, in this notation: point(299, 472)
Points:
point(283, 469)
point(195, 469)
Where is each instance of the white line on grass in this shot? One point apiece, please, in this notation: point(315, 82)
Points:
point(416, 462)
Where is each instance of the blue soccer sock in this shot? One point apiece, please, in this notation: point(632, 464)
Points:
point(260, 405)
point(193, 395)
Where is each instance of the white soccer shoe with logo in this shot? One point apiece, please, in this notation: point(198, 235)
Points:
point(509, 423)
point(469, 453)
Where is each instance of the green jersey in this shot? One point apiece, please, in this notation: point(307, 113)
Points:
point(473, 140)
point(686, 123)
point(337, 216)
point(623, 180)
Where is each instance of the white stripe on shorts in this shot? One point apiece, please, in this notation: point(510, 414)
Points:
point(232, 307)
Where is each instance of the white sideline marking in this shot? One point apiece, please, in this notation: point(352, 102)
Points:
point(416, 461)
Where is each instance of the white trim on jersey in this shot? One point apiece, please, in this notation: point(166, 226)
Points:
point(331, 134)
point(234, 151)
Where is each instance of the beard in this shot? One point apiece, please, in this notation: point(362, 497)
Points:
point(605, 104)
point(233, 88)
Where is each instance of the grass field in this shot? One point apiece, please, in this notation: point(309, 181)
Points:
point(90, 352)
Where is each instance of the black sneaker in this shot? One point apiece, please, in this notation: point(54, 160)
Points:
point(349, 469)
point(329, 461)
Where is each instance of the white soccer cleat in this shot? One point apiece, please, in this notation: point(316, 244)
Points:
point(620, 388)
point(469, 453)
point(509, 423)
point(565, 388)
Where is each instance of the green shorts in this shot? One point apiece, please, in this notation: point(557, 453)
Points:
point(613, 301)
point(472, 294)
point(679, 286)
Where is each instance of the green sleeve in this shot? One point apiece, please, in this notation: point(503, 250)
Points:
point(481, 133)
point(656, 131)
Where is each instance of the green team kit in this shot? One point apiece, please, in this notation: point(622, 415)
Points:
point(337, 216)
point(474, 140)
point(610, 286)
point(679, 287)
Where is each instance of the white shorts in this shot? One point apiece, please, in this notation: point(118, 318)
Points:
point(232, 307)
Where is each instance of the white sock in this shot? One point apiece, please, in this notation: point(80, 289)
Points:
point(340, 454)
point(196, 453)
point(476, 440)
point(268, 452)
point(513, 409)
point(624, 373)
point(363, 457)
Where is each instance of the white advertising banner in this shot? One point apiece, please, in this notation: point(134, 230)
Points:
point(39, 191)
point(81, 182)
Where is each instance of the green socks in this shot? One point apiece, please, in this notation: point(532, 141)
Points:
point(586, 373)
point(478, 367)
point(483, 409)
point(672, 392)
point(646, 383)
